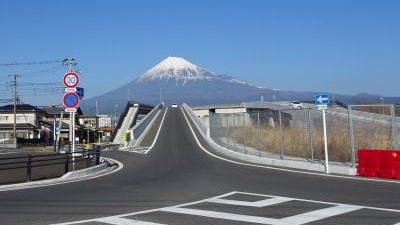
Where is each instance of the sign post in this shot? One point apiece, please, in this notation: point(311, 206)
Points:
point(322, 101)
point(71, 101)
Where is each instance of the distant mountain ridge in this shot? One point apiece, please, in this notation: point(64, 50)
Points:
point(176, 80)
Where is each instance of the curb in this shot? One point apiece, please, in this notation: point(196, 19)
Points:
point(107, 167)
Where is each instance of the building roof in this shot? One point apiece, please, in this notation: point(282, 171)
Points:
point(56, 110)
point(21, 108)
point(19, 126)
point(87, 116)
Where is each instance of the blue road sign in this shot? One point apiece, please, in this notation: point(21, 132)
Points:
point(71, 100)
point(321, 99)
point(80, 92)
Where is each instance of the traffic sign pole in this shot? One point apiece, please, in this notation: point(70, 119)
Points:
point(73, 141)
point(325, 142)
point(322, 101)
point(71, 101)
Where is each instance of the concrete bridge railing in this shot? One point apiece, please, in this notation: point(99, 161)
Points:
point(139, 128)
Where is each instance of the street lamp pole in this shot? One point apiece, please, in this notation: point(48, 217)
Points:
point(160, 95)
point(115, 115)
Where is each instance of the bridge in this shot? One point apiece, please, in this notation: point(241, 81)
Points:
point(127, 120)
point(184, 179)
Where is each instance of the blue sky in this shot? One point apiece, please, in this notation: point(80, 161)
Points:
point(339, 46)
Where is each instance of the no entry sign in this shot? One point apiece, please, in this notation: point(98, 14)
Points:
point(71, 80)
point(71, 100)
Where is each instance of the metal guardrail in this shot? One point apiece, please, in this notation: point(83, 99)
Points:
point(29, 162)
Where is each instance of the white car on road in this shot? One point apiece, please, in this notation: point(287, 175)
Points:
point(296, 104)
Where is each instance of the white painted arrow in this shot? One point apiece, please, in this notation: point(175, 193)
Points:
point(321, 99)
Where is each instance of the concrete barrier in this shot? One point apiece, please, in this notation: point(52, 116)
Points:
point(140, 128)
point(73, 176)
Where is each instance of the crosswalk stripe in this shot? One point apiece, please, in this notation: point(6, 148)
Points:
point(292, 220)
point(124, 221)
point(334, 209)
point(262, 203)
point(319, 214)
point(221, 215)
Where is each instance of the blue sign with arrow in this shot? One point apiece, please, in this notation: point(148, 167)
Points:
point(321, 99)
point(80, 92)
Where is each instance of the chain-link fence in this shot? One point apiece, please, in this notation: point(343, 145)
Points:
point(299, 132)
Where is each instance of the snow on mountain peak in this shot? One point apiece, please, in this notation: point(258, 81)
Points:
point(182, 71)
point(176, 68)
point(176, 63)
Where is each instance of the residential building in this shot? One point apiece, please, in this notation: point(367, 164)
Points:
point(27, 122)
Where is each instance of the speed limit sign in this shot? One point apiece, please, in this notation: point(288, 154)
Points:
point(71, 80)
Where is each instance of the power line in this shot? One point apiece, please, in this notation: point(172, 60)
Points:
point(48, 70)
point(31, 63)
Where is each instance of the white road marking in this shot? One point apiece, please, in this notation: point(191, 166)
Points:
point(335, 210)
point(259, 204)
point(141, 150)
point(123, 221)
point(159, 129)
point(280, 169)
point(222, 215)
point(318, 214)
point(320, 202)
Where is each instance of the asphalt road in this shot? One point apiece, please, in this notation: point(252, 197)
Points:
point(177, 182)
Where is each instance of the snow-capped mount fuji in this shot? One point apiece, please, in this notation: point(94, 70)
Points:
point(180, 70)
point(176, 80)
point(176, 68)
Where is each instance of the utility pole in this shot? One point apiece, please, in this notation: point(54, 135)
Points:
point(14, 87)
point(70, 62)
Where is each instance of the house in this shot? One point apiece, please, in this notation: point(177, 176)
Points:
point(88, 133)
point(56, 115)
point(27, 123)
point(85, 125)
point(104, 127)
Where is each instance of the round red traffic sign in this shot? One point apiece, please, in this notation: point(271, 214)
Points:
point(71, 80)
point(71, 100)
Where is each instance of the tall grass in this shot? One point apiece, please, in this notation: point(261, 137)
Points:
point(295, 141)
